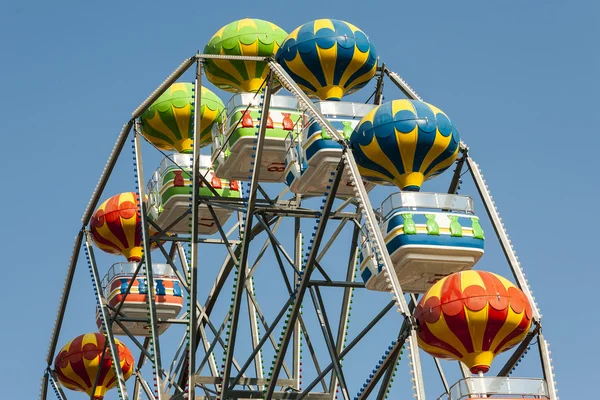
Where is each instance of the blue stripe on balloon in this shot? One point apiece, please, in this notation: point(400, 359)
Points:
point(345, 49)
point(307, 47)
point(300, 80)
point(366, 68)
point(427, 132)
point(447, 153)
point(385, 134)
point(366, 162)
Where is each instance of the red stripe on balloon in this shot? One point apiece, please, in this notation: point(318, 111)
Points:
point(523, 327)
point(105, 242)
point(65, 380)
point(497, 308)
point(453, 308)
point(428, 337)
point(112, 214)
point(76, 350)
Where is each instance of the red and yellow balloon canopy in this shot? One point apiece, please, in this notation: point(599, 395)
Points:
point(472, 316)
point(79, 362)
point(116, 226)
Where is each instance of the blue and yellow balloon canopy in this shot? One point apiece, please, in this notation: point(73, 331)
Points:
point(328, 58)
point(404, 142)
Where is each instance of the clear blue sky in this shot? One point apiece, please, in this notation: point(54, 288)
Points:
point(519, 79)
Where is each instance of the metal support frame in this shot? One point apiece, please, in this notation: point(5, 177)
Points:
point(331, 347)
point(303, 284)
point(271, 210)
point(350, 346)
point(106, 319)
point(193, 267)
point(389, 361)
point(246, 242)
point(153, 319)
point(296, 339)
point(345, 309)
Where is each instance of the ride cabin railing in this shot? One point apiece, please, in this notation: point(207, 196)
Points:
point(484, 387)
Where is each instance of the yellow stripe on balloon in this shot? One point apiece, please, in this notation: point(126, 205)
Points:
point(297, 67)
point(129, 225)
point(251, 49)
point(374, 153)
point(407, 142)
point(227, 67)
point(439, 328)
point(373, 174)
point(72, 375)
point(358, 60)
point(294, 34)
point(435, 350)
point(444, 164)
point(182, 118)
point(328, 68)
point(365, 77)
point(470, 278)
point(352, 27)
point(91, 366)
point(242, 23)
point(178, 87)
point(512, 321)
point(157, 124)
point(477, 321)
point(326, 54)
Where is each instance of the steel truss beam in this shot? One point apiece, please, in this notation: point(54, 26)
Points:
point(303, 284)
point(388, 363)
point(354, 342)
point(107, 325)
point(147, 263)
point(254, 168)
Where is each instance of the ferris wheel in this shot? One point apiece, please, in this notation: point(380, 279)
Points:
point(275, 217)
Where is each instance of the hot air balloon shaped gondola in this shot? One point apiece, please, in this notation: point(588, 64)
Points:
point(167, 296)
point(428, 235)
point(328, 58)
point(404, 142)
point(168, 122)
point(234, 145)
point(472, 316)
point(169, 192)
point(246, 37)
point(116, 226)
point(80, 361)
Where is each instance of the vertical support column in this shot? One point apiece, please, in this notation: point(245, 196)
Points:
point(255, 170)
point(258, 362)
point(296, 356)
point(105, 318)
point(193, 267)
point(345, 310)
point(147, 260)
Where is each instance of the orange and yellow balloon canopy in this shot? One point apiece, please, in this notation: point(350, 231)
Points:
point(116, 226)
point(79, 362)
point(472, 316)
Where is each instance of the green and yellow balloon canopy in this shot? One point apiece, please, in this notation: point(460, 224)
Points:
point(246, 37)
point(168, 122)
